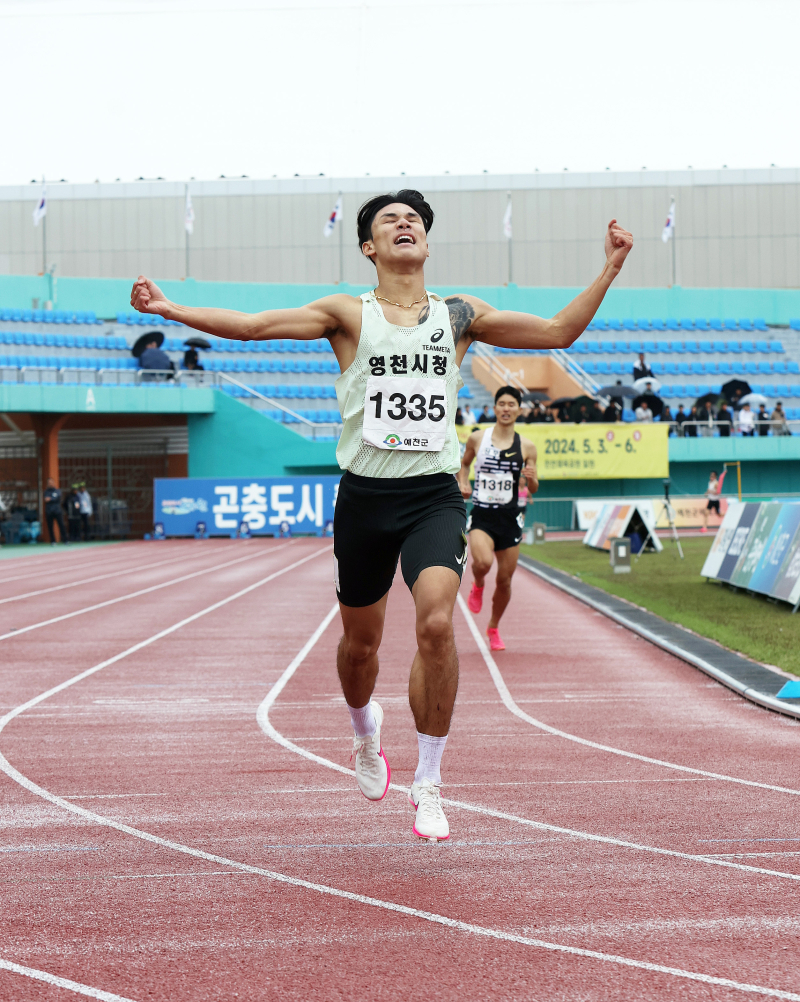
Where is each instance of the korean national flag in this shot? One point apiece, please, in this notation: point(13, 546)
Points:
point(41, 209)
point(334, 218)
point(669, 227)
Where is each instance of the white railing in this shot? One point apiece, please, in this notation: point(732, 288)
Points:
point(565, 361)
point(314, 426)
point(496, 368)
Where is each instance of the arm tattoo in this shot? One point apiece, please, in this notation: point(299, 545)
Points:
point(461, 316)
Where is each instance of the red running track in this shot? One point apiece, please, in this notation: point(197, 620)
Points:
point(181, 824)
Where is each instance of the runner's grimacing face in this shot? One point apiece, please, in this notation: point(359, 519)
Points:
point(398, 238)
point(506, 410)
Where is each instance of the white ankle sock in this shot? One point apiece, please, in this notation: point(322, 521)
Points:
point(430, 757)
point(363, 720)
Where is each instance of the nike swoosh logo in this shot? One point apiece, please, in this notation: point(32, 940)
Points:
point(462, 560)
point(508, 455)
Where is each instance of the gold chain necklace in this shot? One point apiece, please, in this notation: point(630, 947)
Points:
point(401, 305)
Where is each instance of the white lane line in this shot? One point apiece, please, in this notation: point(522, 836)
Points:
point(509, 703)
point(52, 979)
point(390, 906)
point(136, 569)
point(265, 724)
point(137, 594)
point(50, 563)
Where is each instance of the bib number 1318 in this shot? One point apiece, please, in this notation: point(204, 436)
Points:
point(405, 414)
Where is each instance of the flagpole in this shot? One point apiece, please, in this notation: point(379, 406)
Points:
point(44, 236)
point(341, 250)
point(510, 252)
point(674, 238)
point(186, 231)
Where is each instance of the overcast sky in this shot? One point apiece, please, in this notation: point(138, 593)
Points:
point(199, 88)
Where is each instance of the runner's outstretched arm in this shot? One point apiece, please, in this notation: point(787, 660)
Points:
point(478, 321)
point(322, 318)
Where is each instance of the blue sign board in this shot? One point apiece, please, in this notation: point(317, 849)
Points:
point(304, 504)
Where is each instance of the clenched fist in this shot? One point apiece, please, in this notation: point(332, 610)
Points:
point(146, 297)
point(618, 244)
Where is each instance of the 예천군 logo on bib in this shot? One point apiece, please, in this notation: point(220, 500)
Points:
point(392, 440)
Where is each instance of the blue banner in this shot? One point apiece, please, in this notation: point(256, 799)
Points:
point(264, 506)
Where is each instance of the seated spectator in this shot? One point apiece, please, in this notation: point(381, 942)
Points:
point(597, 414)
point(747, 421)
point(724, 421)
point(485, 416)
point(780, 425)
point(666, 416)
point(613, 412)
point(680, 417)
point(191, 361)
point(763, 420)
point(469, 416)
point(153, 358)
point(641, 368)
point(582, 417)
point(524, 414)
point(459, 416)
point(643, 413)
point(550, 415)
point(690, 425)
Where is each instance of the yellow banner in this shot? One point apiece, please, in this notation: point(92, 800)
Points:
point(596, 451)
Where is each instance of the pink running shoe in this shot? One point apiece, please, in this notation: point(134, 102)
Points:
point(475, 600)
point(495, 640)
point(704, 529)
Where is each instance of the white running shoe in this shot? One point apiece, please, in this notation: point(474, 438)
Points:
point(372, 769)
point(430, 821)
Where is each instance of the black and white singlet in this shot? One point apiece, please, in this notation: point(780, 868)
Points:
point(497, 473)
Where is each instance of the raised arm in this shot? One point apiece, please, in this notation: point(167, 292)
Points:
point(506, 329)
point(322, 318)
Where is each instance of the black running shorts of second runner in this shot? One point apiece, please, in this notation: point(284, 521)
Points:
point(504, 525)
point(419, 520)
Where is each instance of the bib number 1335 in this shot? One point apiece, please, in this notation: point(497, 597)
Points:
point(405, 414)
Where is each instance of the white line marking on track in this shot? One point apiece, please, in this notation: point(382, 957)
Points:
point(509, 703)
point(142, 591)
point(52, 979)
point(265, 724)
point(441, 920)
point(99, 577)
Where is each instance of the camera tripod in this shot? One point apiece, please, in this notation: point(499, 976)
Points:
point(668, 510)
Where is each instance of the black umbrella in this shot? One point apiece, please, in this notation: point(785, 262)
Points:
point(561, 401)
point(582, 401)
point(146, 339)
point(734, 389)
point(656, 404)
point(617, 391)
point(707, 398)
point(534, 395)
point(197, 342)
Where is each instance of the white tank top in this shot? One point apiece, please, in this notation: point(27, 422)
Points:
point(398, 397)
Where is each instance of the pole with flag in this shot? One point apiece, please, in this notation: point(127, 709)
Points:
point(668, 233)
point(40, 215)
point(188, 223)
point(508, 232)
point(330, 225)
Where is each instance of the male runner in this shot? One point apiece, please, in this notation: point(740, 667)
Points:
point(502, 459)
point(399, 348)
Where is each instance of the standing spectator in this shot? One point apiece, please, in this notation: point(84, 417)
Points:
point(705, 415)
point(485, 417)
point(597, 413)
point(87, 509)
point(641, 369)
point(712, 494)
point(747, 421)
point(73, 506)
point(469, 416)
point(690, 426)
point(724, 421)
point(666, 416)
point(643, 413)
point(680, 417)
point(52, 511)
point(191, 361)
point(779, 423)
point(618, 400)
point(612, 413)
point(763, 420)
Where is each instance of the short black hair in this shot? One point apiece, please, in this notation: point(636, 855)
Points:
point(511, 391)
point(408, 196)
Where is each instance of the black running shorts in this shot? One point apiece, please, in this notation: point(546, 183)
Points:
point(504, 525)
point(419, 519)
point(713, 505)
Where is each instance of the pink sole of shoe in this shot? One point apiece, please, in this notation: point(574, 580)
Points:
point(439, 838)
point(474, 604)
point(495, 643)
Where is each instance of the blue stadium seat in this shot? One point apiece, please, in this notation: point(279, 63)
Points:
point(707, 347)
point(731, 324)
point(684, 369)
point(26, 316)
point(779, 368)
point(686, 324)
point(602, 368)
point(793, 367)
point(649, 347)
point(672, 324)
point(635, 347)
point(725, 368)
point(768, 390)
point(711, 369)
point(744, 325)
point(702, 389)
point(616, 368)
point(593, 347)
point(19, 338)
point(715, 324)
point(765, 368)
point(701, 324)
point(776, 346)
point(749, 347)
point(38, 340)
point(27, 338)
point(734, 347)
point(760, 324)
point(629, 325)
point(590, 368)
point(657, 368)
point(671, 369)
point(751, 368)
point(691, 390)
point(757, 387)
point(782, 390)
point(643, 324)
point(600, 324)
point(663, 347)
point(693, 347)
point(698, 368)
point(677, 347)
point(737, 368)
point(608, 347)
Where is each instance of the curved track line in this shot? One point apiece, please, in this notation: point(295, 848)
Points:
point(50, 562)
point(262, 716)
point(509, 703)
point(99, 577)
point(441, 920)
point(142, 591)
point(53, 979)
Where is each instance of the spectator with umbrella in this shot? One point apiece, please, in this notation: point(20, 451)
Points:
point(734, 390)
point(148, 350)
point(648, 401)
point(191, 360)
